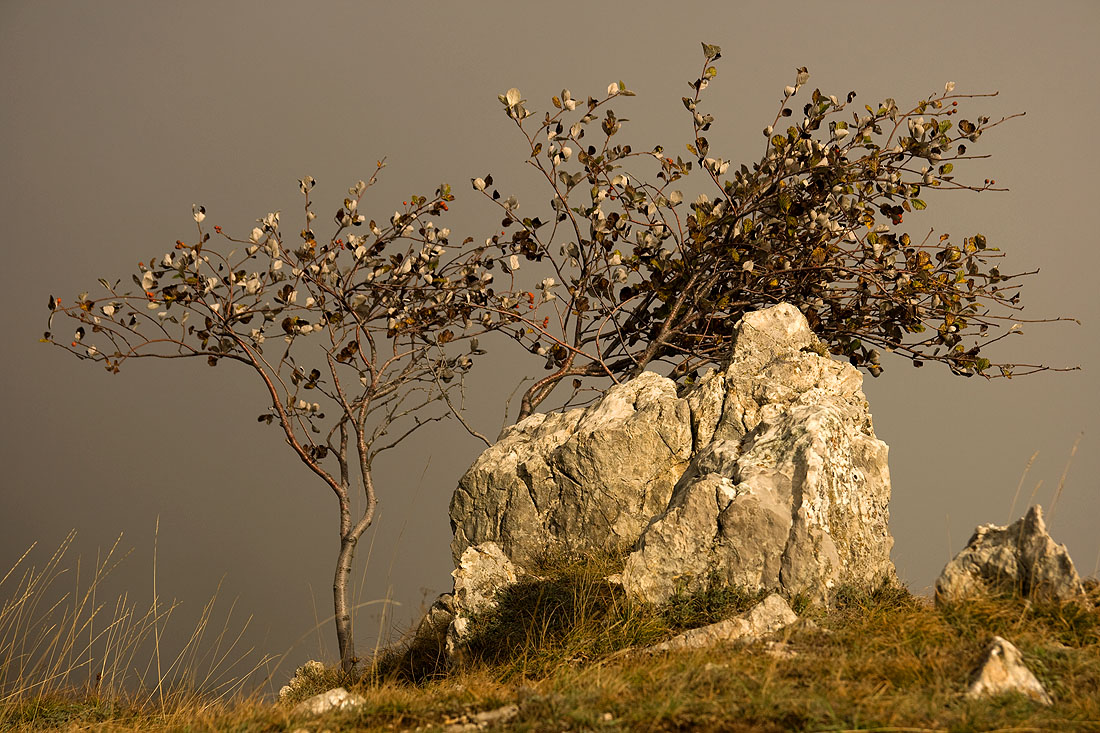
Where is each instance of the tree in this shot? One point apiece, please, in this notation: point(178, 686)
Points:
point(814, 222)
point(373, 324)
point(354, 338)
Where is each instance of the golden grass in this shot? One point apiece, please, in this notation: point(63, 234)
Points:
point(68, 654)
point(565, 650)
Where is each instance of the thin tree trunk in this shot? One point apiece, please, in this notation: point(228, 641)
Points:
point(344, 634)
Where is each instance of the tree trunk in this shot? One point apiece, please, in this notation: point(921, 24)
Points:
point(344, 634)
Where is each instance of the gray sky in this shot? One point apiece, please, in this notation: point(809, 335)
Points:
point(117, 116)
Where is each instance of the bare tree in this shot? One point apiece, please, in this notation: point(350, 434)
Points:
point(358, 341)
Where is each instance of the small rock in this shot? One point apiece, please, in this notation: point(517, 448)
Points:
point(779, 650)
point(1002, 670)
point(337, 698)
point(499, 715)
point(482, 571)
point(310, 672)
point(437, 621)
point(479, 721)
point(1021, 558)
point(771, 614)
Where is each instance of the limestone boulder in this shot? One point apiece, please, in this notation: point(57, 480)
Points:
point(765, 474)
point(1021, 559)
point(789, 488)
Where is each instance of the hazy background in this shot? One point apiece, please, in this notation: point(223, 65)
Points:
point(117, 116)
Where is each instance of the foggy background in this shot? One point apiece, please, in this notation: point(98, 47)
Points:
point(117, 116)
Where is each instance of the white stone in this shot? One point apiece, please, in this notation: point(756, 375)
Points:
point(337, 698)
point(766, 617)
point(1002, 671)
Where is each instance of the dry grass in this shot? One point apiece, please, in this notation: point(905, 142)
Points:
point(564, 649)
point(69, 655)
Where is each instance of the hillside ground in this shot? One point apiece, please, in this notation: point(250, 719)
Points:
point(566, 651)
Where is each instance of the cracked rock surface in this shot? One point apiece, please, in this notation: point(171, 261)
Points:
point(764, 474)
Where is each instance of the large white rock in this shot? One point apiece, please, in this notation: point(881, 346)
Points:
point(1002, 670)
point(765, 474)
point(1021, 558)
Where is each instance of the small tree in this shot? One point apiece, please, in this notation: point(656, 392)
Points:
point(353, 337)
point(813, 222)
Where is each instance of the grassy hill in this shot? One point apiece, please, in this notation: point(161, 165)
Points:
point(566, 651)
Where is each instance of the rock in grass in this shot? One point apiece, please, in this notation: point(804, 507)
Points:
point(766, 617)
point(481, 572)
point(1020, 559)
point(482, 720)
point(310, 674)
point(335, 699)
point(766, 474)
point(1003, 671)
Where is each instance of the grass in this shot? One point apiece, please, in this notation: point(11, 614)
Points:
point(565, 649)
point(69, 657)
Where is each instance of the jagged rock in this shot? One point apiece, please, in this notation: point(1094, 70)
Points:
point(1002, 670)
point(482, 571)
point(766, 617)
point(337, 698)
point(766, 474)
point(1021, 558)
